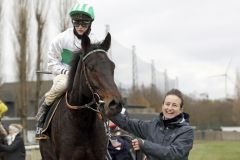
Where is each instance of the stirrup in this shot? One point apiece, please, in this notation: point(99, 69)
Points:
point(41, 137)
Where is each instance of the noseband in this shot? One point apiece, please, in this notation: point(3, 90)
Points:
point(96, 98)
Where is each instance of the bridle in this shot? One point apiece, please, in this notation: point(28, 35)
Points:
point(96, 98)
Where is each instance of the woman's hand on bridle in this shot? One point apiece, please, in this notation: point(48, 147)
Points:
point(136, 144)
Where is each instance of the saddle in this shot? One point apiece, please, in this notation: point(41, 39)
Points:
point(50, 114)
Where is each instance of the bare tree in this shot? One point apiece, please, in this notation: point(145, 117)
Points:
point(136, 97)
point(20, 30)
point(42, 9)
point(41, 12)
point(1, 63)
point(64, 7)
point(236, 107)
point(153, 95)
point(237, 85)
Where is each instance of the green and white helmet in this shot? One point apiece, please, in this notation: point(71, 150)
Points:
point(82, 9)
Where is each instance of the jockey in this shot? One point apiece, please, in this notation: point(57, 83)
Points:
point(60, 55)
point(3, 109)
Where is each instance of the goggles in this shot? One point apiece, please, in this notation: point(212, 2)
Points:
point(83, 23)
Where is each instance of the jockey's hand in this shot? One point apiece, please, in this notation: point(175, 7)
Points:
point(136, 144)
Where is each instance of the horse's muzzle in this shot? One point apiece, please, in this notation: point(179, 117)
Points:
point(114, 107)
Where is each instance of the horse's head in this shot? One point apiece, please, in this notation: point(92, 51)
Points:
point(96, 72)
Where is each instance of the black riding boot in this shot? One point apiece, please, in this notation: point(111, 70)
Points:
point(41, 116)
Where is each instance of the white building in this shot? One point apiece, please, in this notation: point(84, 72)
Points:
point(230, 129)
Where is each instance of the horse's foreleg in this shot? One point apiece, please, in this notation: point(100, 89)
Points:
point(87, 154)
point(46, 150)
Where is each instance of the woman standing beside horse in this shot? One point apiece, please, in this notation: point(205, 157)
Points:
point(168, 137)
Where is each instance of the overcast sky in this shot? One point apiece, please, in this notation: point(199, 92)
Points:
point(192, 39)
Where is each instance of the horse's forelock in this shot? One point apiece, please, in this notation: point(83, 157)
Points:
point(94, 46)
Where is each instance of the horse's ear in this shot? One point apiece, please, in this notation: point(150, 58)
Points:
point(85, 43)
point(106, 42)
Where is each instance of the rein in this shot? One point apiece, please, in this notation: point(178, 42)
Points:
point(80, 107)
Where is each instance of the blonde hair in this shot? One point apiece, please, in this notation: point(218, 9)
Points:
point(19, 127)
point(3, 108)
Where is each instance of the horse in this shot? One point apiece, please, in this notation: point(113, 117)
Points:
point(77, 130)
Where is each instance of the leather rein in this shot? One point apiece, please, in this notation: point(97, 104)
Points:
point(96, 98)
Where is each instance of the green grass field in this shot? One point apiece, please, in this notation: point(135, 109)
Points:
point(215, 150)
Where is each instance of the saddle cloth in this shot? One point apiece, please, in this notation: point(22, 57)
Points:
point(51, 113)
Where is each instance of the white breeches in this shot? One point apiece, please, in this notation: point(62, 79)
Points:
point(58, 88)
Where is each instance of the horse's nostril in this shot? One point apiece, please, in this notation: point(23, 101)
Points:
point(114, 105)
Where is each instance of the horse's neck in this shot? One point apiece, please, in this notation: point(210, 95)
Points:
point(80, 95)
point(81, 115)
point(76, 98)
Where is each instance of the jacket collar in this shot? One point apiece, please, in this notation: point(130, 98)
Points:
point(180, 120)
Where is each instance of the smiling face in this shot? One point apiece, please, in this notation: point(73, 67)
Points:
point(171, 106)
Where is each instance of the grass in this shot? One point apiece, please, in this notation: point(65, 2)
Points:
point(215, 150)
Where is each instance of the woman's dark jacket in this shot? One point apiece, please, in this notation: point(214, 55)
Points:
point(15, 151)
point(163, 139)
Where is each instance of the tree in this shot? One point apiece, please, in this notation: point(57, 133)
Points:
point(236, 106)
point(237, 85)
point(64, 19)
point(1, 24)
point(154, 97)
point(137, 98)
point(21, 45)
point(41, 11)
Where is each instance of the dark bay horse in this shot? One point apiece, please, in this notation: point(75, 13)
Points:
point(77, 132)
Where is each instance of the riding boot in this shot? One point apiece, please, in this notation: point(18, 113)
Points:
point(41, 116)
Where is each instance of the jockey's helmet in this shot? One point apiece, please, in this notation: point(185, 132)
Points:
point(83, 12)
